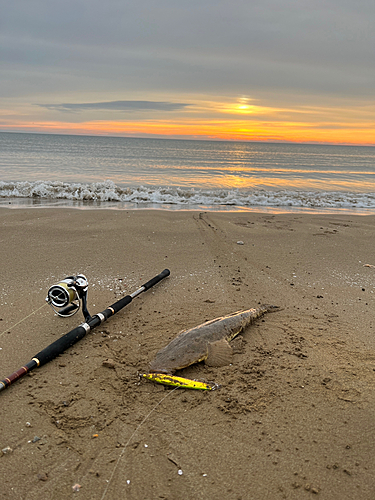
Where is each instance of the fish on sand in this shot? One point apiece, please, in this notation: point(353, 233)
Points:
point(208, 342)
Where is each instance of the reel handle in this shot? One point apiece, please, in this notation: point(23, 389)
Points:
point(68, 310)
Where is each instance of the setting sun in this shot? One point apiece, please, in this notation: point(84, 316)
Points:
point(244, 108)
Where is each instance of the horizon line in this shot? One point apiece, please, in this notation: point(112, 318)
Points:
point(198, 138)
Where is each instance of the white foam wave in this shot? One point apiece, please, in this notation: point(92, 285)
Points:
point(108, 191)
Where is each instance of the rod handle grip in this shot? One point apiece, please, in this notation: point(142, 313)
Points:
point(60, 345)
point(157, 278)
point(117, 306)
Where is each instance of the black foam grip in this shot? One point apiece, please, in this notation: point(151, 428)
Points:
point(117, 306)
point(157, 278)
point(60, 345)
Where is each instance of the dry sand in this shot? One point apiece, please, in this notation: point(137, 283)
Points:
point(295, 415)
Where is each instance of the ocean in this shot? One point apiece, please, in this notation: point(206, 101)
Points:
point(40, 170)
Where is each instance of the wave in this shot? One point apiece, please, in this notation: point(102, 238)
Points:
point(108, 191)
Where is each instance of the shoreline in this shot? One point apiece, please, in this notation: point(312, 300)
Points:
point(31, 203)
point(294, 414)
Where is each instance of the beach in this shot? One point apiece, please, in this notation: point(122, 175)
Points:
point(294, 415)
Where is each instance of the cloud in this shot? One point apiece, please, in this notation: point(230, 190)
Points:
point(117, 106)
point(213, 47)
point(81, 55)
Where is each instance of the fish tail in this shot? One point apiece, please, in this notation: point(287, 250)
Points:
point(254, 314)
point(271, 308)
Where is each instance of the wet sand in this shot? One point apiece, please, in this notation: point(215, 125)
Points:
point(294, 416)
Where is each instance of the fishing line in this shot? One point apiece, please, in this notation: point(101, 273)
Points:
point(7, 330)
point(131, 437)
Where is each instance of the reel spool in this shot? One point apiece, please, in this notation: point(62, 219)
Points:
point(65, 297)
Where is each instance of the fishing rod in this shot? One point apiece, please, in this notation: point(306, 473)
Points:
point(65, 296)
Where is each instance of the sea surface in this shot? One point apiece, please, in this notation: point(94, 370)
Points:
point(40, 170)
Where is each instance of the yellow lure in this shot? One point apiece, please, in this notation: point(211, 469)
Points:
point(174, 381)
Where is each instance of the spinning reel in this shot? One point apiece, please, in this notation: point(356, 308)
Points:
point(65, 298)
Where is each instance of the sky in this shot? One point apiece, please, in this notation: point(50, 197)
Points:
point(275, 70)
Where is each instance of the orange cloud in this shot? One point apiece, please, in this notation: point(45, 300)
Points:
point(343, 133)
point(241, 119)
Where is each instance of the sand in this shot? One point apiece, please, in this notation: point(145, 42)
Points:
point(294, 416)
